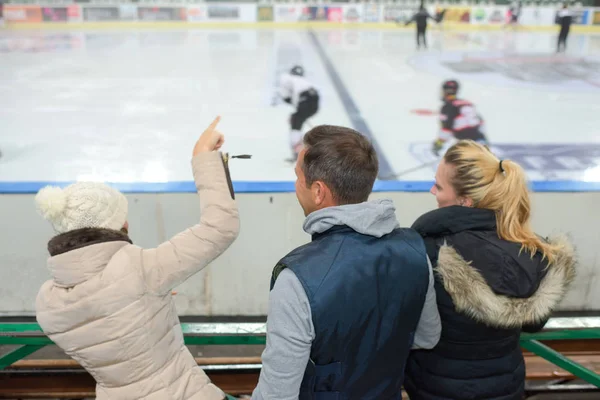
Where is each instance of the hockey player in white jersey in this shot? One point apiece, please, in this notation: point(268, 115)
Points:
point(296, 90)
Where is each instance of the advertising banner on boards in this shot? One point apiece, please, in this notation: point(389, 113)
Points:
point(352, 12)
point(580, 16)
point(55, 14)
point(489, 15)
point(22, 14)
point(224, 12)
point(318, 13)
point(146, 13)
point(231, 12)
point(197, 13)
point(128, 12)
point(371, 12)
point(264, 13)
point(399, 13)
point(538, 16)
point(458, 14)
point(290, 13)
point(109, 13)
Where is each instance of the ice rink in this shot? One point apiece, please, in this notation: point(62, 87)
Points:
point(128, 105)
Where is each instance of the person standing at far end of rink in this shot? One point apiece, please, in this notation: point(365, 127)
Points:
point(109, 303)
point(564, 18)
point(421, 18)
point(515, 13)
point(346, 308)
point(298, 91)
point(458, 118)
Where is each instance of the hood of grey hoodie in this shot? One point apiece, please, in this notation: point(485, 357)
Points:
point(373, 218)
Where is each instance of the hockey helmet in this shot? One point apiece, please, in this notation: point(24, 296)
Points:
point(450, 87)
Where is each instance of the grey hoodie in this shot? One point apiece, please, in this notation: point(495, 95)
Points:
point(373, 218)
point(290, 330)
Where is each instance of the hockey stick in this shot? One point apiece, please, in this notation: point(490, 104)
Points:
point(408, 171)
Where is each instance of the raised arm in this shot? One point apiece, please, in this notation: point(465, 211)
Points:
point(188, 252)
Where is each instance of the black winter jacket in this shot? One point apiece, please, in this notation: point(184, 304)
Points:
point(488, 291)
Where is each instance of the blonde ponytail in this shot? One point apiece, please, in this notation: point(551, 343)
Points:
point(480, 177)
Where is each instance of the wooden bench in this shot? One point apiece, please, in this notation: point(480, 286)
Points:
point(68, 379)
point(576, 338)
point(539, 369)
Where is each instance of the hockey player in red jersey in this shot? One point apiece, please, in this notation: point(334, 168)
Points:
point(458, 118)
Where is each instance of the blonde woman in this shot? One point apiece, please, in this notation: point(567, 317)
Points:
point(495, 278)
point(109, 304)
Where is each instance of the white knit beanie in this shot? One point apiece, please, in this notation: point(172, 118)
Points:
point(82, 205)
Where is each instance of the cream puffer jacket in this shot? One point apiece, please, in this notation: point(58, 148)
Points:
point(109, 305)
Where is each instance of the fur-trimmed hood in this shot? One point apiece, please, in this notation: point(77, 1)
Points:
point(472, 295)
point(79, 238)
point(490, 279)
point(82, 253)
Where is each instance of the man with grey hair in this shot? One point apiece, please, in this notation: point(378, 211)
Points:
point(346, 308)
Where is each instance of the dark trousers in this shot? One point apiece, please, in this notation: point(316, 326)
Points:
point(308, 105)
point(562, 38)
point(421, 31)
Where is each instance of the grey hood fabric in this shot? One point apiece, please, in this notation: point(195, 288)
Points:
point(374, 218)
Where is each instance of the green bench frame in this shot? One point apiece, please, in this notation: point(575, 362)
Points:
point(30, 338)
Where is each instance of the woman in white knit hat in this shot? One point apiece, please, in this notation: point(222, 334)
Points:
point(109, 303)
